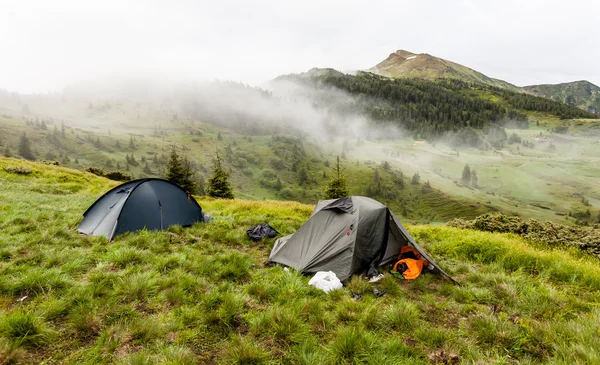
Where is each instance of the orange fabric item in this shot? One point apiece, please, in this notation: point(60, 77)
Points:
point(414, 268)
point(408, 252)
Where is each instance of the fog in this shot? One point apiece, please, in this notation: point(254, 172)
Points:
point(323, 115)
point(46, 46)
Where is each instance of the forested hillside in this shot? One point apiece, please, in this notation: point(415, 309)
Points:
point(582, 94)
point(429, 109)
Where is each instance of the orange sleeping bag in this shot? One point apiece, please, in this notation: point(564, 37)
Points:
point(410, 263)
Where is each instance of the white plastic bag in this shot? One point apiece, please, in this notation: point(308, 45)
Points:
point(326, 281)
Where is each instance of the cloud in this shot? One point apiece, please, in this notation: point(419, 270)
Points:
point(46, 45)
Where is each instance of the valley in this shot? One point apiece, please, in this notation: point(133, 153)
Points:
point(549, 181)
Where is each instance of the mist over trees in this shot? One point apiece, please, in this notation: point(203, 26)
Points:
point(447, 108)
point(469, 177)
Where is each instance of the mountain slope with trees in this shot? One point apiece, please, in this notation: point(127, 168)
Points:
point(582, 94)
point(431, 109)
point(405, 64)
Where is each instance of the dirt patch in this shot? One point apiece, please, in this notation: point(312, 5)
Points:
point(442, 357)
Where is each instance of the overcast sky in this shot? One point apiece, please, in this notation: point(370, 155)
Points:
point(45, 45)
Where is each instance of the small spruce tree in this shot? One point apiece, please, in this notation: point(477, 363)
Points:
point(416, 179)
point(218, 185)
point(474, 179)
point(466, 176)
point(179, 171)
point(337, 187)
point(25, 148)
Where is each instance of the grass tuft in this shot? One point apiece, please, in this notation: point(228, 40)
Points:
point(245, 351)
point(24, 329)
point(350, 346)
point(11, 353)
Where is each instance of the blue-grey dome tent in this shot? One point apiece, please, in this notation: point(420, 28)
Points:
point(153, 204)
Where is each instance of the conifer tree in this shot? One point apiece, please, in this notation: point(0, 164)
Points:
point(474, 179)
point(179, 171)
point(218, 185)
point(7, 152)
point(466, 176)
point(25, 148)
point(416, 179)
point(337, 187)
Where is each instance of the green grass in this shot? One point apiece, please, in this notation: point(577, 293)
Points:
point(203, 294)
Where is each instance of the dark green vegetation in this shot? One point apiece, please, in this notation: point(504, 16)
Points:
point(179, 171)
point(337, 187)
point(582, 94)
point(113, 175)
point(202, 295)
point(586, 239)
point(218, 185)
point(431, 109)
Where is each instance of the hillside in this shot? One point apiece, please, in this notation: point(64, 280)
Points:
point(425, 66)
point(136, 139)
point(429, 109)
point(203, 295)
point(280, 144)
point(582, 94)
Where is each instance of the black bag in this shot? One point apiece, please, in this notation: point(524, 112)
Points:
point(257, 233)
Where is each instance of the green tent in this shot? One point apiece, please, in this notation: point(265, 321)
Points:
point(349, 236)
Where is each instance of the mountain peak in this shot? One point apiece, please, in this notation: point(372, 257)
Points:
point(403, 63)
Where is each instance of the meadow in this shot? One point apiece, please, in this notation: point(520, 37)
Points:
point(204, 294)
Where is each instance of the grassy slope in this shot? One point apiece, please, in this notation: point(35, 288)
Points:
point(76, 149)
point(202, 295)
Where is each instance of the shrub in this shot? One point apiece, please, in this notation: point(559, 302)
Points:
point(268, 178)
point(583, 238)
point(118, 176)
point(17, 170)
point(113, 175)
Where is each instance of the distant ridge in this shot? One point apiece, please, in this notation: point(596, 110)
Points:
point(582, 94)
